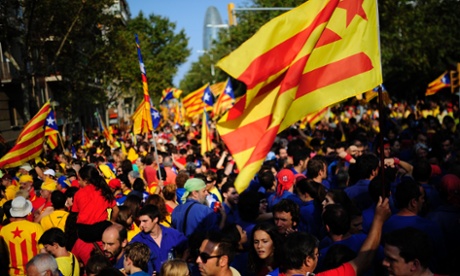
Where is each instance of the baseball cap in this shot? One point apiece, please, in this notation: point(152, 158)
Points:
point(115, 183)
point(64, 182)
point(25, 178)
point(49, 185)
point(26, 166)
point(49, 172)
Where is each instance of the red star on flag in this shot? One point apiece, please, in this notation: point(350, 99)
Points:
point(17, 233)
point(353, 7)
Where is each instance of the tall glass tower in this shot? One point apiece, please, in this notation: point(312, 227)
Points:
point(212, 22)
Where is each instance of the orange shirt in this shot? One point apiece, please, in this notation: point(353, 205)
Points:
point(21, 239)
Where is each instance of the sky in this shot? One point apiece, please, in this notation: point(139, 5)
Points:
point(188, 15)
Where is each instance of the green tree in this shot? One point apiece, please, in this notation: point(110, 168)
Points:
point(163, 51)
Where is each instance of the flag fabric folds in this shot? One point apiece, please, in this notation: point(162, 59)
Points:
point(206, 141)
point(208, 98)
point(193, 102)
point(225, 100)
point(30, 142)
point(84, 139)
point(439, 83)
point(51, 130)
point(156, 118)
point(167, 95)
point(103, 129)
point(317, 54)
point(142, 117)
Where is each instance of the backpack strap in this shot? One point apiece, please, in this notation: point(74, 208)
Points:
point(184, 227)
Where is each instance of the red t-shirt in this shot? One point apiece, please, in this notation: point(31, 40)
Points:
point(150, 175)
point(90, 205)
point(344, 270)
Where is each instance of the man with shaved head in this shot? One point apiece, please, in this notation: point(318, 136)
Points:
point(114, 240)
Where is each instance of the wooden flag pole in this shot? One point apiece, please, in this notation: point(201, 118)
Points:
point(382, 153)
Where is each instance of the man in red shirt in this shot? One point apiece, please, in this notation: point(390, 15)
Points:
point(301, 253)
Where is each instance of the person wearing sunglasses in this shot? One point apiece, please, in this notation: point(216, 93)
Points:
point(215, 256)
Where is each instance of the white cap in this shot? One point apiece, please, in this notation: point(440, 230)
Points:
point(26, 166)
point(49, 172)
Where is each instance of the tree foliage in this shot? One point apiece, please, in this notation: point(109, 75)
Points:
point(419, 40)
point(88, 46)
point(163, 51)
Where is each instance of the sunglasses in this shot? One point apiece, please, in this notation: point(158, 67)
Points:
point(205, 257)
point(262, 201)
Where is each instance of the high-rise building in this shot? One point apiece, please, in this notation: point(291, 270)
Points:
point(212, 23)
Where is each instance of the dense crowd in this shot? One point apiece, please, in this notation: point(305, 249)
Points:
point(325, 201)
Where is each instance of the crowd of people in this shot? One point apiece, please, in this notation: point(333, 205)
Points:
point(326, 200)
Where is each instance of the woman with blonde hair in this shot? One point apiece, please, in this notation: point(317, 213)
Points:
point(175, 267)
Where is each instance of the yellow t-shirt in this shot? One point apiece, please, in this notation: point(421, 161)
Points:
point(133, 232)
point(21, 238)
point(65, 265)
point(56, 219)
point(10, 192)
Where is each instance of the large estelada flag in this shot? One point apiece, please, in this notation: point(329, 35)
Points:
point(30, 142)
point(439, 83)
point(51, 130)
point(317, 54)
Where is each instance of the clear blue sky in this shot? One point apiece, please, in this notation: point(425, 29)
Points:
point(188, 15)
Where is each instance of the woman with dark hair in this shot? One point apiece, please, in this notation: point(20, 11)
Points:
point(90, 205)
point(125, 218)
point(165, 216)
point(265, 250)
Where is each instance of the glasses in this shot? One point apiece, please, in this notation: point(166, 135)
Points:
point(209, 181)
point(205, 257)
point(263, 201)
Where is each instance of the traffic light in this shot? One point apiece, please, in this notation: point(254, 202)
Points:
point(454, 78)
point(231, 14)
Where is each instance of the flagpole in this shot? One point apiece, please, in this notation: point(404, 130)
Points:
point(147, 100)
point(381, 119)
point(382, 146)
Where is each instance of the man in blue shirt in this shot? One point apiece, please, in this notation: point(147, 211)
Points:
point(163, 242)
point(194, 215)
point(367, 167)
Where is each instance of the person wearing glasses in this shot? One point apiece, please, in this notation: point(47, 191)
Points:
point(215, 256)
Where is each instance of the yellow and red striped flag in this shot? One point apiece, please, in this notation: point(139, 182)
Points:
point(206, 141)
point(317, 54)
point(217, 88)
point(314, 118)
point(193, 102)
point(30, 142)
point(103, 129)
point(85, 141)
